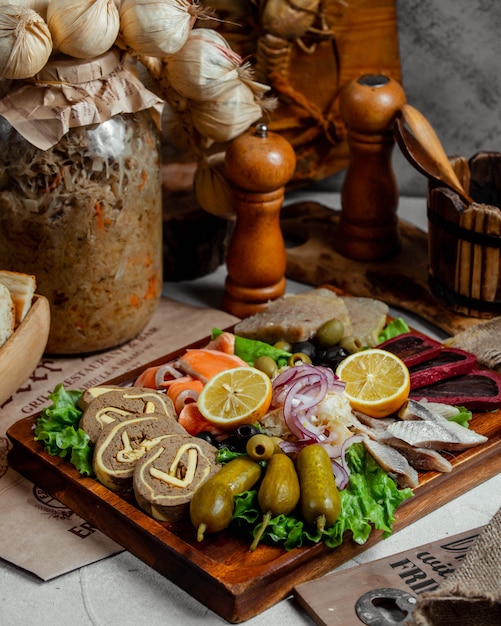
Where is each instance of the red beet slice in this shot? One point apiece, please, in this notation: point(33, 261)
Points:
point(449, 362)
point(412, 348)
point(479, 390)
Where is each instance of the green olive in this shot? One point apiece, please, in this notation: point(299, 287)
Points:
point(297, 358)
point(330, 333)
point(283, 345)
point(351, 344)
point(267, 365)
point(260, 447)
point(277, 441)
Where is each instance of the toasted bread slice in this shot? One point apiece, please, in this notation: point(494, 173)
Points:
point(22, 288)
point(7, 314)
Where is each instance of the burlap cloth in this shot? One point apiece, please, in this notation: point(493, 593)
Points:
point(472, 594)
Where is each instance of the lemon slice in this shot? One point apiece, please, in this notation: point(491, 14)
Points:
point(240, 395)
point(377, 381)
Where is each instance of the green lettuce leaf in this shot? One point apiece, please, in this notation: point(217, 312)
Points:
point(57, 428)
point(251, 349)
point(396, 327)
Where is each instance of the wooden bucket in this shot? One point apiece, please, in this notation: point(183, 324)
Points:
point(464, 240)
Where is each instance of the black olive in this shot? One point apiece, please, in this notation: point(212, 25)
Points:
point(208, 437)
point(232, 444)
point(334, 352)
point(334, 355)
point(244, 433)
point(306, 347)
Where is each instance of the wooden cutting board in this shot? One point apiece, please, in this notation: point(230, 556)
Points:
point(401, 281)
point(221, 572)
point(333, 600)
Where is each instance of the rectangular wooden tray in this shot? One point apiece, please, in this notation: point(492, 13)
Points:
point(221, 572)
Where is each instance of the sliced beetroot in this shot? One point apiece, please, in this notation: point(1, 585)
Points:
point(448, 362)
point(412, 348)
point(479, 390)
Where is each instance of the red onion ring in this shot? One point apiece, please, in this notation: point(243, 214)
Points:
point(299, 390)
point(185, 397)
point(168, 368)
point(341, 476)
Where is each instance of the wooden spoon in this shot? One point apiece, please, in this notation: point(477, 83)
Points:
point(422, 148)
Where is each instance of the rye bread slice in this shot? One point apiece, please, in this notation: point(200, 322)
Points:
point(162, 483)
point(295, 317)
point(119, 404)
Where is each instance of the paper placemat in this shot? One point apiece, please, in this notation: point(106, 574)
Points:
point(39, 533)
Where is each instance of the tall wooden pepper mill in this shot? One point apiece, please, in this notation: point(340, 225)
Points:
point(368, 225)
point(259, 163)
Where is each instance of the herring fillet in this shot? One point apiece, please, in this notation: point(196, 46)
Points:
point(393, 462)
point(424, 428)
point(419, 458)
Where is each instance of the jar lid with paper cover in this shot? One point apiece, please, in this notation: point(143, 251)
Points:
point(81, 197)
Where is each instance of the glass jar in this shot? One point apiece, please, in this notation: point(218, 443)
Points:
point(85, 217)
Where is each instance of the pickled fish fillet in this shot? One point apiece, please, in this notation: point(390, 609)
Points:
point(423, 428)
point(483, 340)
point(393, 462)
point(418, 458)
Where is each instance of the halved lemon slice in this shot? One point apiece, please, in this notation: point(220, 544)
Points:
point(377, 381)
point(240, 395)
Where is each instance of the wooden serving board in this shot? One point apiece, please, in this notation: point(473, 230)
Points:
point(401, 281)
point(221, 572)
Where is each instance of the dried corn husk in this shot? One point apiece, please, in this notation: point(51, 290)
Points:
point(25, 42)
point(202, 68)
point(83, 29)
point(157, 28)
point(227, 117)
point(213, 190)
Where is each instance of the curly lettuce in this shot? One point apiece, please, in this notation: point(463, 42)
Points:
point(57, 428)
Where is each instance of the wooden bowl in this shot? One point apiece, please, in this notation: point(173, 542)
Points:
point(23, 350)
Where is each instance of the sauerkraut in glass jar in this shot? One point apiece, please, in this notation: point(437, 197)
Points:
point(85, 217)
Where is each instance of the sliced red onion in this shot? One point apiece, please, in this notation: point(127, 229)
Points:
point(299, 390)
point(163, 370)
point(185, 397)
point(341, 475)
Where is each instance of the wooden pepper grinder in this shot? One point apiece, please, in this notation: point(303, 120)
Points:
point(259, 163)
point(368, 224)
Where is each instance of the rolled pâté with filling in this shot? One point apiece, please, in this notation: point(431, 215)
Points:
point(120, 404)
point(168, 475)
point(121, 444)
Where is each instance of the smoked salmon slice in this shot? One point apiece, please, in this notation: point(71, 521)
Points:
point(183, 390)
point(225, 342)
point(194, 422)
point(204, 363)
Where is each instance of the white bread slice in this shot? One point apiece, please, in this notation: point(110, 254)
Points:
point(7, 314)
point(22, 288)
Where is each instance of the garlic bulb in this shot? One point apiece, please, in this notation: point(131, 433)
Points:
point(40, 6)
point(83, 29)
point(202, 68)
point(25, 42)
point(228, 116)
point(213, 190)
point(157, 27)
